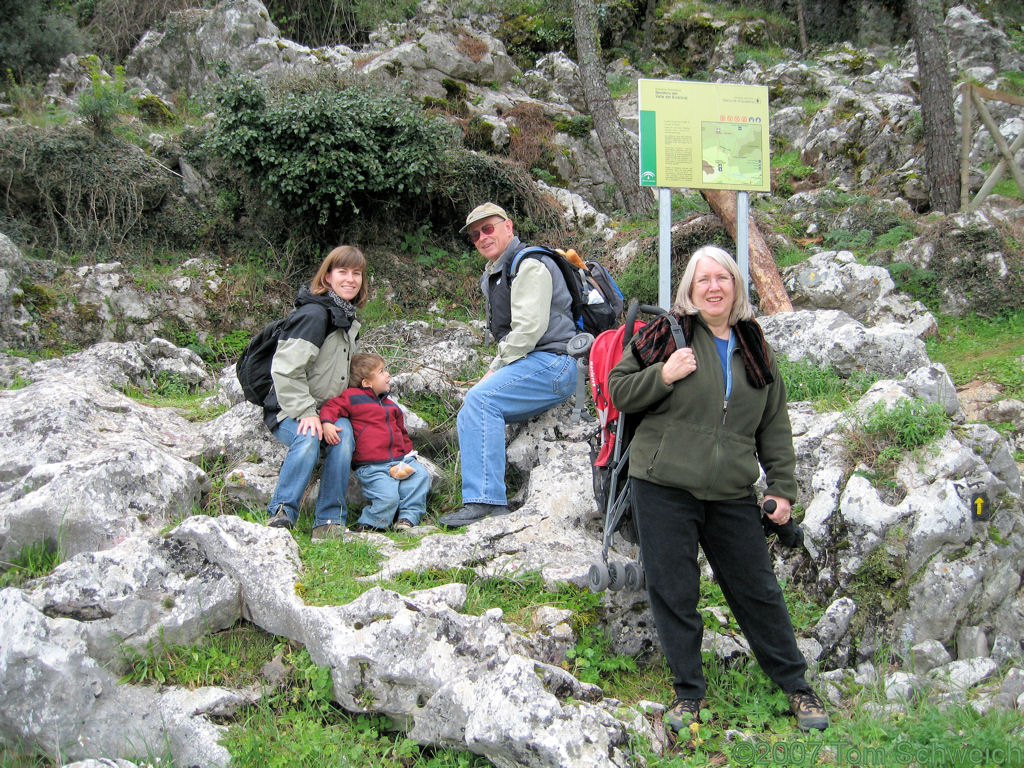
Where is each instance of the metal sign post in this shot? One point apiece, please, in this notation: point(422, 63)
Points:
point(743, 237)
point(665, 247)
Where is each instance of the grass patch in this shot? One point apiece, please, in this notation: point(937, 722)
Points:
point(170, 390)
point(881, 438)
point(230, 658)
point(787, 170)
point(298, 724)
point(17, 382)
point(34, 560)
point(822, 386)
point(973, 347)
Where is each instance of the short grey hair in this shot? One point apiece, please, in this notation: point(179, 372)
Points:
point(741, 307)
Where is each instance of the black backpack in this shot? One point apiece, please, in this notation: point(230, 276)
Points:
point(596, 299)
point(253, 365)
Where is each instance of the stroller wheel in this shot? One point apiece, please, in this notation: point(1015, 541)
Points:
point(616, 575)
point(597, 577)
point(634, 577)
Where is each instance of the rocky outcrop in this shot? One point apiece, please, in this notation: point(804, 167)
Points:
point(99, 474)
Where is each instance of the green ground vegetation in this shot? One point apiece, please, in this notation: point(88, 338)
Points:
point(980, 348)
point(881, 438)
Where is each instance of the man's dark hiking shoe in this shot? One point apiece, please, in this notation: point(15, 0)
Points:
point(682, 712)
point(809, 710)
point(327, 531)
point(470, 513)
point(281, 520)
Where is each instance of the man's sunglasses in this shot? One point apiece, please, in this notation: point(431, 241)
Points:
point(486, 229)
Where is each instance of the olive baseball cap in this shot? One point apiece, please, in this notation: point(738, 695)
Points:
point(483, 212)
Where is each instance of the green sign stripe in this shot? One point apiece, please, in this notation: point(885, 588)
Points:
point(648, 149)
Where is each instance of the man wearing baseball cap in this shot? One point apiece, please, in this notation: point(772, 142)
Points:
point(530, 318)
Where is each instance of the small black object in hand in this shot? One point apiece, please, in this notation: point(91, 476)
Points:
point(790, 535)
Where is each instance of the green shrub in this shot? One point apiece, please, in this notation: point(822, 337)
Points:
point(336, 21)
point(34, 36)
point(324, 156)
point(883, 436)
point(532, 28)
point(965, 264)
point(895, 236)
point(922, 284)
point(639, 280)
point(578, 127)
point(106, 98)
point(79, 194)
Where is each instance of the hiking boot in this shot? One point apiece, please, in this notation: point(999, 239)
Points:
point(682, 712)
point(365, 528)
point(402, 524)
point(328, 531)
point(809, 710)
point(470, 513)
point(280, 520)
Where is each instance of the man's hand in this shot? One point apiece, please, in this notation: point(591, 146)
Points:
point(311, 425)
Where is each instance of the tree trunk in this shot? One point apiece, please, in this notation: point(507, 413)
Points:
point(763, 270)
point(648, 28)
point(940, 139)
point(620, 149)
point(802, 26)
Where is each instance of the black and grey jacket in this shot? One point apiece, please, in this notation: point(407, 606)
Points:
point(312, 359)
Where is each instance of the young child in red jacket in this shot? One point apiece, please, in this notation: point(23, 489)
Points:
point(394, 483)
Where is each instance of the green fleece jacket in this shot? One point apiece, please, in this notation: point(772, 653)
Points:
point(688, 439)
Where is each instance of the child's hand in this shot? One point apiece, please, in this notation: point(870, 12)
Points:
point(331, 433)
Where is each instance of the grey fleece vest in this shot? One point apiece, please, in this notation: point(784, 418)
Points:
point(498, 290)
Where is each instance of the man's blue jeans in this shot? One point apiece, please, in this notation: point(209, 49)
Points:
point(297, 469)
point(387, 496)
point(516, 392)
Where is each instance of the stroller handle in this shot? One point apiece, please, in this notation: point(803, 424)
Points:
point(635, 308)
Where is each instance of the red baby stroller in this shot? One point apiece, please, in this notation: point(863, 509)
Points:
point(610, 453)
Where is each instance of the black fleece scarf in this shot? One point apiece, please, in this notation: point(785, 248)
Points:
point(346, 307)
point(654, 344)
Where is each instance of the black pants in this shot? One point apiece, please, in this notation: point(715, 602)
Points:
point(671, 522)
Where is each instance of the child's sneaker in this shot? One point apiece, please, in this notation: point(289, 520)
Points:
point(280, 520)
point(809, 710)
point(402, 524)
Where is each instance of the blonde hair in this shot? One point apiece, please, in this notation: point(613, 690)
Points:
point(741, 307)
point(343, 256)
point(363, 366)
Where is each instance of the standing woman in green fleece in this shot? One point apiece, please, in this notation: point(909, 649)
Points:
point(713, 412)
point(310, 366)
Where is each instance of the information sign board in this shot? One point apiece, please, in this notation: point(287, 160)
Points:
point(704, 135)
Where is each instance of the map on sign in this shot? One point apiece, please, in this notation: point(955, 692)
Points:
point(704, 135)
point(731, 155)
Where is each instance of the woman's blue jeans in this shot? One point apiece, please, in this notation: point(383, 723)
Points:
point(296, 470)
point(516, 392)
point(387, 497)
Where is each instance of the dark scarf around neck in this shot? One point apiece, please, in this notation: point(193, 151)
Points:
point(654, 344)
point(347, 308)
